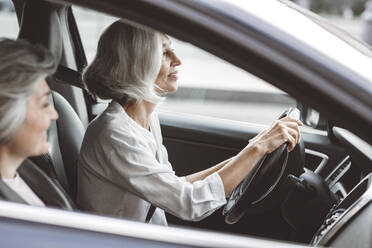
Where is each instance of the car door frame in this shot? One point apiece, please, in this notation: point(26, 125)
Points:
point(37, 226)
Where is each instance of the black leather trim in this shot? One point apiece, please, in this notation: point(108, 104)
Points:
point(44, 162)
point(49, 191)
point(8, 194)
point(68, 76)
point(150, 213)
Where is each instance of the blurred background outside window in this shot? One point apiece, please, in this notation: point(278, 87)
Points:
point(8, 20)
point(209, 86)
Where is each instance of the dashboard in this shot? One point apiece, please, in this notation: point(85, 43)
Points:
point(348, 223)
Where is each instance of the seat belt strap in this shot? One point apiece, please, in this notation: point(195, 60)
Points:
point(150, 213)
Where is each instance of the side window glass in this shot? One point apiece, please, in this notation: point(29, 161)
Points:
point(91, 24)
point(208, 86)
point(8, 18)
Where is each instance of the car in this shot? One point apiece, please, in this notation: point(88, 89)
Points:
point(320, 196)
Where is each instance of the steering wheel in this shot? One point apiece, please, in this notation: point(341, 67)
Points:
point(264, 186)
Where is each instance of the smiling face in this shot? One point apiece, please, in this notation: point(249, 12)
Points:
point(168, 74)
point(31, 138)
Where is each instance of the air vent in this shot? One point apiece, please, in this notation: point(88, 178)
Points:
point(340, 170)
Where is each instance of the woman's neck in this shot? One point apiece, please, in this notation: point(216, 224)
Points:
point(9, 162)
point(140, 112)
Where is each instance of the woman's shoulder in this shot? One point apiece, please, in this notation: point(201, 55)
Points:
point(110, 126)
point(113, 128)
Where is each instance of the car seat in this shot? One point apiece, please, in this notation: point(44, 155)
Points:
point(50, 193)
point(66, 134)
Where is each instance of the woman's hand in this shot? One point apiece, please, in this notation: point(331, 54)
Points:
point(238, 167)
point(283, 130)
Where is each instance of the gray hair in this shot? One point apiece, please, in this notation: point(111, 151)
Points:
point(22, 65)
point(126, 65)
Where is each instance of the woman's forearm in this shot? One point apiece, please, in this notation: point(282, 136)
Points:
point(205, 173)
point(237, 168)
point(233, 170)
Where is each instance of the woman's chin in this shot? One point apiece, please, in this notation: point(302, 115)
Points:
point(173, 87)
point(42, 149)
point(173, 90)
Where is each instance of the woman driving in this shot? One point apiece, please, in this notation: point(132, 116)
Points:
point(123, 165)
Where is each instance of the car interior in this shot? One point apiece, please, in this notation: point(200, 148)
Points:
point(193, 143)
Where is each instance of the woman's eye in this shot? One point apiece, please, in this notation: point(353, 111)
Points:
point(46, 105)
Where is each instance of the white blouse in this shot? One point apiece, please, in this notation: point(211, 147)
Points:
point(23, 190)
point(123, 167)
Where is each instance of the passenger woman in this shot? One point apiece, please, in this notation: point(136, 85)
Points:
point(123, 165)
point(25, 114)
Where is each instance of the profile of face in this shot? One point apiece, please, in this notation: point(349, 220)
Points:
point(168, 74)
point(31, 138)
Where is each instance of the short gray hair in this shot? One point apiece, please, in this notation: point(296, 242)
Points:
point(22, 65)
point(126, 65)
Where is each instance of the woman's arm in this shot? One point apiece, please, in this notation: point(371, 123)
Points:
point(239, 166)
point(233, 170)
point(204, 173)
point(283, 130)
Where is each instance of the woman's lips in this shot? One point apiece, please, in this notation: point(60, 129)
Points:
point(173, 75)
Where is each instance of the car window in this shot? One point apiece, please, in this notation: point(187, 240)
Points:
point(301, 25)
point(208, 86)
point(91, 25)
point(8, 16)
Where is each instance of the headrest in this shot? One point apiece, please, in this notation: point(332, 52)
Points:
point(40, 24)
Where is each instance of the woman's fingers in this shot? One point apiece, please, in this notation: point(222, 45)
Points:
point(291, 125)
point(290, 119)
point(283, 130)
point(294, 130)
point(292, 142)
point(293, 135)
point(288, 128)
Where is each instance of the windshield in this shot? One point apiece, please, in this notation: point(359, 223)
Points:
point(343, 35)
point(312, 30)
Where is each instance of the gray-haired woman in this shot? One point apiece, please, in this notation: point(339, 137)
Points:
point(25, 116)
point(123, 165)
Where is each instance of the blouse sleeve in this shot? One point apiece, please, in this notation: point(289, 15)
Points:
point(135, 168)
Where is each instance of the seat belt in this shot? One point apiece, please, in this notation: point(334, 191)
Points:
point(152, 208)
point(150, 213)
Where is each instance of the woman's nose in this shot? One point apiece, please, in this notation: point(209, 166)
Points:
point(175, 60)
point(53, 114)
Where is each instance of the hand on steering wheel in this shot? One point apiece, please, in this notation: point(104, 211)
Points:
point(262, 187)
point(284, 130)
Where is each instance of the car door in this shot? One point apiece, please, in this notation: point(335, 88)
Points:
point(195, 142)
point(203, 126)
point(48, 227)
point(217, 109)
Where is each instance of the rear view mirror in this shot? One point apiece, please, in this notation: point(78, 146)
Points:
point(312, 118)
